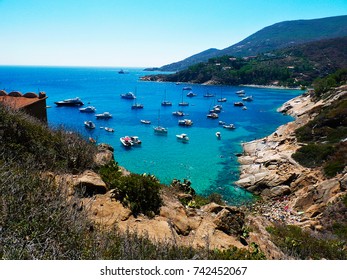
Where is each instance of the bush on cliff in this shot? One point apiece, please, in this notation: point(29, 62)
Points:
point(301, 244)
point(313, 155)
point(27, 139)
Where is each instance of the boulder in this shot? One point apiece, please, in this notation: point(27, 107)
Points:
point(230, 221)
point(212, 208)
point(278, 191)
point(89, 183)
point(326, 190)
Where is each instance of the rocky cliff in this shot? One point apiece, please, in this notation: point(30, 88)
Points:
point(290, 193)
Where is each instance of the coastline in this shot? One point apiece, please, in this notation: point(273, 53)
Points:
point(290, 192)
point(270, 87)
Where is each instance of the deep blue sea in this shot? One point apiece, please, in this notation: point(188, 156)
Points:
point(209, 163)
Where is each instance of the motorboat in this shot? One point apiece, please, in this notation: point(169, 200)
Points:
point(222, 99)
point(88, 109)
point(89, 124)
point(191, 94)
point(212, 116)
point(145, 121)
point(218, 135)
point(248, 98)
point(178, 113)
point(109, 129)
point(221, 123)
point(70, 102)
point(216, 109)
point(185, 122)
point(128, 95)
point(135, 140)
point(240, 92)
point(121, 71)
point(187, 88)
point(244, 108)
point(229, 126)
point(182, 137)
point(159, 129)
point(238, 104)
point(105, 115)
point(126, 141)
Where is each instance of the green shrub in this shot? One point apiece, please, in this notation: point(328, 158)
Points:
point(25, 138)
point(141, 193)
point(313, 155)
point(110, 174)
point(300, 244)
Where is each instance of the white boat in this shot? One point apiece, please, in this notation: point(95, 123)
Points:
point(89, 124)
point(212, 116)
point(88, 109)
point(145, 121)
point(218, 135)
point(159, 129)
point(222, 99)
point(191, 94)
point(137, 106)
point(70, 102)
point(166, 102)
point(135, 140)
point(128, 95)
point(178, 113)
point(221, 123)
point(126, 141)
point(104, 115)
point(208, 95)
point(187, 88)
point(185, 122)
point(109, 129)
point(244, 108)
point(240, 92)
point(229, 126)
point(182, 137)
point(248, 98)
point(182, 103)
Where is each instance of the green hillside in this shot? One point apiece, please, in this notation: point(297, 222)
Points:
point(292, 67)
point(277, 36)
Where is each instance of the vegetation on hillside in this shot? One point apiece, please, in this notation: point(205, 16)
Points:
point(277, 36)
point(325, 135)
point(292, 67)
point(37, 221)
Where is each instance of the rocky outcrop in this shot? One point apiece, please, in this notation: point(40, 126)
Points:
point(292, 193)
point(212, 226)
point(104, 155)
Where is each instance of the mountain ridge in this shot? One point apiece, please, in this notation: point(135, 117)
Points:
point(276, 36)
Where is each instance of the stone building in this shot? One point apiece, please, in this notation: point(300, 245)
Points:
point(31, 103)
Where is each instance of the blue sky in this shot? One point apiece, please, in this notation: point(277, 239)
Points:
point(138, 32)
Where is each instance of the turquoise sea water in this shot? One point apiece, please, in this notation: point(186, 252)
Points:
point(209, 163)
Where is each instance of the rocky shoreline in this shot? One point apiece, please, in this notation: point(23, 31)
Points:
point(290, 192)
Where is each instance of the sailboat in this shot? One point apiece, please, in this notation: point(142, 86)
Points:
point(160, 129)
point(182, 103)
point(136, 105)
point(166, 102)
point(221, 99)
